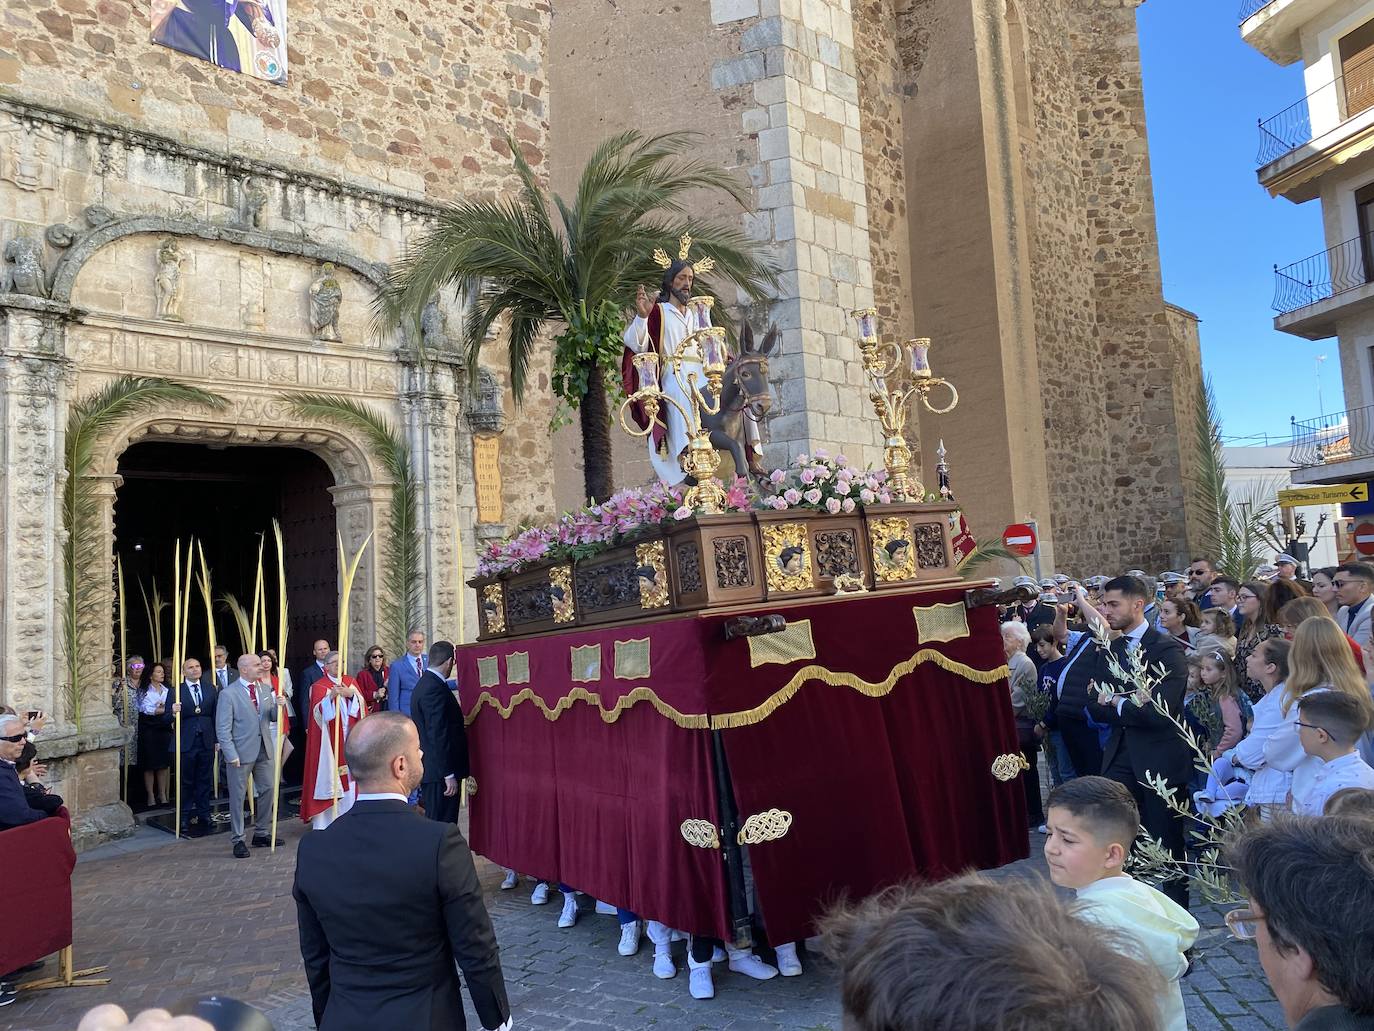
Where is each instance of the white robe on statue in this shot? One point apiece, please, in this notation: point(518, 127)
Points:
point(676, 328)
point(325, 785)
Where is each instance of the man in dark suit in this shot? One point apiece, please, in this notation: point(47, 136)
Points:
point(1142, 740)
point(388, 904)
point(439, 720)
point(196, 697)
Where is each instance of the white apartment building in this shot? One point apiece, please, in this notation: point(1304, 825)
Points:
point(1322, 148)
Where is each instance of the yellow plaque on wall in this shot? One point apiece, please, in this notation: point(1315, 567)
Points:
point(486, 469)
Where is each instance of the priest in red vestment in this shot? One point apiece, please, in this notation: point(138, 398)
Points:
point(336, 705)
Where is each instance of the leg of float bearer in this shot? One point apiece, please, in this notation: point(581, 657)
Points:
point(731, 854)
point(123, 671)
point(281, 653)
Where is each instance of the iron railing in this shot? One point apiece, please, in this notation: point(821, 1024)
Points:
point(1291, 128)
point(1338, 437)
point(1249, 7)
point(1325, 274)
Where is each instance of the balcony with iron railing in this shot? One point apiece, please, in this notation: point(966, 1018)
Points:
point(1329, 439)
point(1275, 27)
point(1338, 102)
point(1327, 274)
point(1251, 7)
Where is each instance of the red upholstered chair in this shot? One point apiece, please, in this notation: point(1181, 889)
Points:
point(37, 862)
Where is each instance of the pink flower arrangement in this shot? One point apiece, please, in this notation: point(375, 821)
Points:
point(824, 484)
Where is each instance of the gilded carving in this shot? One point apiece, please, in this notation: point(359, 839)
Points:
point(893, 558)
point(561, 594)
point(493, 610)
point(652, 574)
point(786, 557)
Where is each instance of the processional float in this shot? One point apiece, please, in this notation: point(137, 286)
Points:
point(804, 690)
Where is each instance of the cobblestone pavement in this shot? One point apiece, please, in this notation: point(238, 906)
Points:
point(172, 919)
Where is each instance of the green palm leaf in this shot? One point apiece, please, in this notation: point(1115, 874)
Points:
point(991, 550)
point(90, 421)
point(631, 198)
point(400, 605)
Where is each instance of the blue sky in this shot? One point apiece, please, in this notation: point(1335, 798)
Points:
point(1220, 233)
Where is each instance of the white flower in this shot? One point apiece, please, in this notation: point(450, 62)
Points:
point(685, 512)
point(832, 505)
point(779, 503)
point(867, 496)
point(813, 496)
point(777, 476)
point(848, 505)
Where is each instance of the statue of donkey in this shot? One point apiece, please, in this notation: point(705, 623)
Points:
point(744, 395)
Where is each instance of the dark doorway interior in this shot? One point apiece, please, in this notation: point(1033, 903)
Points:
point(226, 498)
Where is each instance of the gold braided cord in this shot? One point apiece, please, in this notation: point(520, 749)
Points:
point(779, 698)
point(581, 694)
point(748, 717)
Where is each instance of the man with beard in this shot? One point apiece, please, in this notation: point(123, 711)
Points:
point(1143, 741)
point(662, 325)
point(388, 904)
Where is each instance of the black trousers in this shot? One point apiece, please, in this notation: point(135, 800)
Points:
point(1081, 742)
point(1159, 821)
point(1035, 812)
point(195, 783)
point(437, 807)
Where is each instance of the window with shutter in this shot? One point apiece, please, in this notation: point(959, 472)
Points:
point(1357, 69)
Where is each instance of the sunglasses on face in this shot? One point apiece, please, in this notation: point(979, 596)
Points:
point(1243, 924)
point(14, 739)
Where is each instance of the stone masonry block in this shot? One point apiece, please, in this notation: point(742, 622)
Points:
point(762, 35)
point(723, 11)
point(815, 14)
point(770, 91)
point(828, 51)
point(755, 119)
point(737, 71)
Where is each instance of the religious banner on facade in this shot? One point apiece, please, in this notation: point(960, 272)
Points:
point(239, 35)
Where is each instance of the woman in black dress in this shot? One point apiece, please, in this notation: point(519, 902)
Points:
point(155, 733)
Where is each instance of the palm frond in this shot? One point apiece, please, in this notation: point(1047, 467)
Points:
point(87, 605)
point(153, 611)
point(991, 550)
point(241, 620)
point(399, 606)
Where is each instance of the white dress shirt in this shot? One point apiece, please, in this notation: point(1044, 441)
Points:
point(1346, 771)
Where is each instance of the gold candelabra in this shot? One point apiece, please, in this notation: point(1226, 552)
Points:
point(881, 360)
point(702, 352)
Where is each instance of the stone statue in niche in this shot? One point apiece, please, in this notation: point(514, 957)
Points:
point(434, 328)
point(23, 272)
point(487, 412)
point(254, 200)
point(167, 282)
point(326, 294)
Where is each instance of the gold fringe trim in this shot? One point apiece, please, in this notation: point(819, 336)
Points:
point(747, 718)
point(581, 694)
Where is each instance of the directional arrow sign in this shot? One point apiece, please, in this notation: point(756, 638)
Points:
point(1323, 494)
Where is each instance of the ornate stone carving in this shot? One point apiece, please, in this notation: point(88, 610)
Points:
point(837, 553)
point(60, 235)
point(689, 567)
point(325, 297)
point(732, 562)
point(26, 157)
point(434, 329)
point(253, 200)
point(167, 281)
point(487, 413)
point(98, 215)
point(23, 273)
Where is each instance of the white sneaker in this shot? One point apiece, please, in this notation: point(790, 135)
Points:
point(664, 967)
point(512, 879)
point(629, 938)
point(677, 936)
point(605, 908)
point(750, 965)
point(788, 963)
point(569, 915)
point(540, 895)
point(719, 955)
point(700, 984)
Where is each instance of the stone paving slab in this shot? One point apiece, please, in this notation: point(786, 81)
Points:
point(179, 918)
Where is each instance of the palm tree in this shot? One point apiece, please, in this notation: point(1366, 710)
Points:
point(90, 420)
point(582, 273)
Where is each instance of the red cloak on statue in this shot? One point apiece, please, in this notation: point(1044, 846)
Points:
point(320, 738)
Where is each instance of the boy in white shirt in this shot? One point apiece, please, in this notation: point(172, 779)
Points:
point(1092, 823)
point(1330, 724)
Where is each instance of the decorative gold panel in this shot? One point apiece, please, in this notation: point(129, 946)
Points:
point(561, 594)
point(893, 556)
point(518, 668)
point(786, 557)
point(653, 587)
point(947, 622)
point(586, 663)
point(790, 645)
point(766, 826)
point(632, 659)
point(493, 609)
point(1006, 767)
point(488, 671)
point(701, 833)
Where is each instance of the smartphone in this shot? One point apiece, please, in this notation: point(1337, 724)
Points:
point(1065, 597)
point(34, 713)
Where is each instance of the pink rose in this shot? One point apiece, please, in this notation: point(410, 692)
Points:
point(867, 496)
point(813, 496)
point(808, 476)
point(821, 454)
point(778, 503)
point(685, 512)
point(777, 476)
point(793, 496)
point(848, 505)
point(801, 460)
point(842, 487)
point(884, 497)
point(832, 505)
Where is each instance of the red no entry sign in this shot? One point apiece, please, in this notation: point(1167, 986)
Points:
point(1020, 538)
point(1364, 538)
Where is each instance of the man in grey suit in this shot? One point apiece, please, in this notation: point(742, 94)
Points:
point(1354, 583)
point(245, 718)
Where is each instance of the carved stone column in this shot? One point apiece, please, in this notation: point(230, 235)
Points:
point(487, 419)
point(359, 510)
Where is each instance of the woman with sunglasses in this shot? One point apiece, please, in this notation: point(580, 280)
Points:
point(372, 679)
point(1251, 601)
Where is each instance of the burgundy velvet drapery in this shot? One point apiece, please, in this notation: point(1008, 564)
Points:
point(37, 860)
point(883, 783)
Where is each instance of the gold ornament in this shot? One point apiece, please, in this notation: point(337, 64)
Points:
point(793, 572)
point(766, 826)
point(653, 591)
point(471, 785)
point(700, 266)
point(894, 556)
point(1007, 767)
point(493, 609)
point(563, 608)
point(701, 833)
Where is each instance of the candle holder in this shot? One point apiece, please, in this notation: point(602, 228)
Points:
point(703, 352)
point(880, 361)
